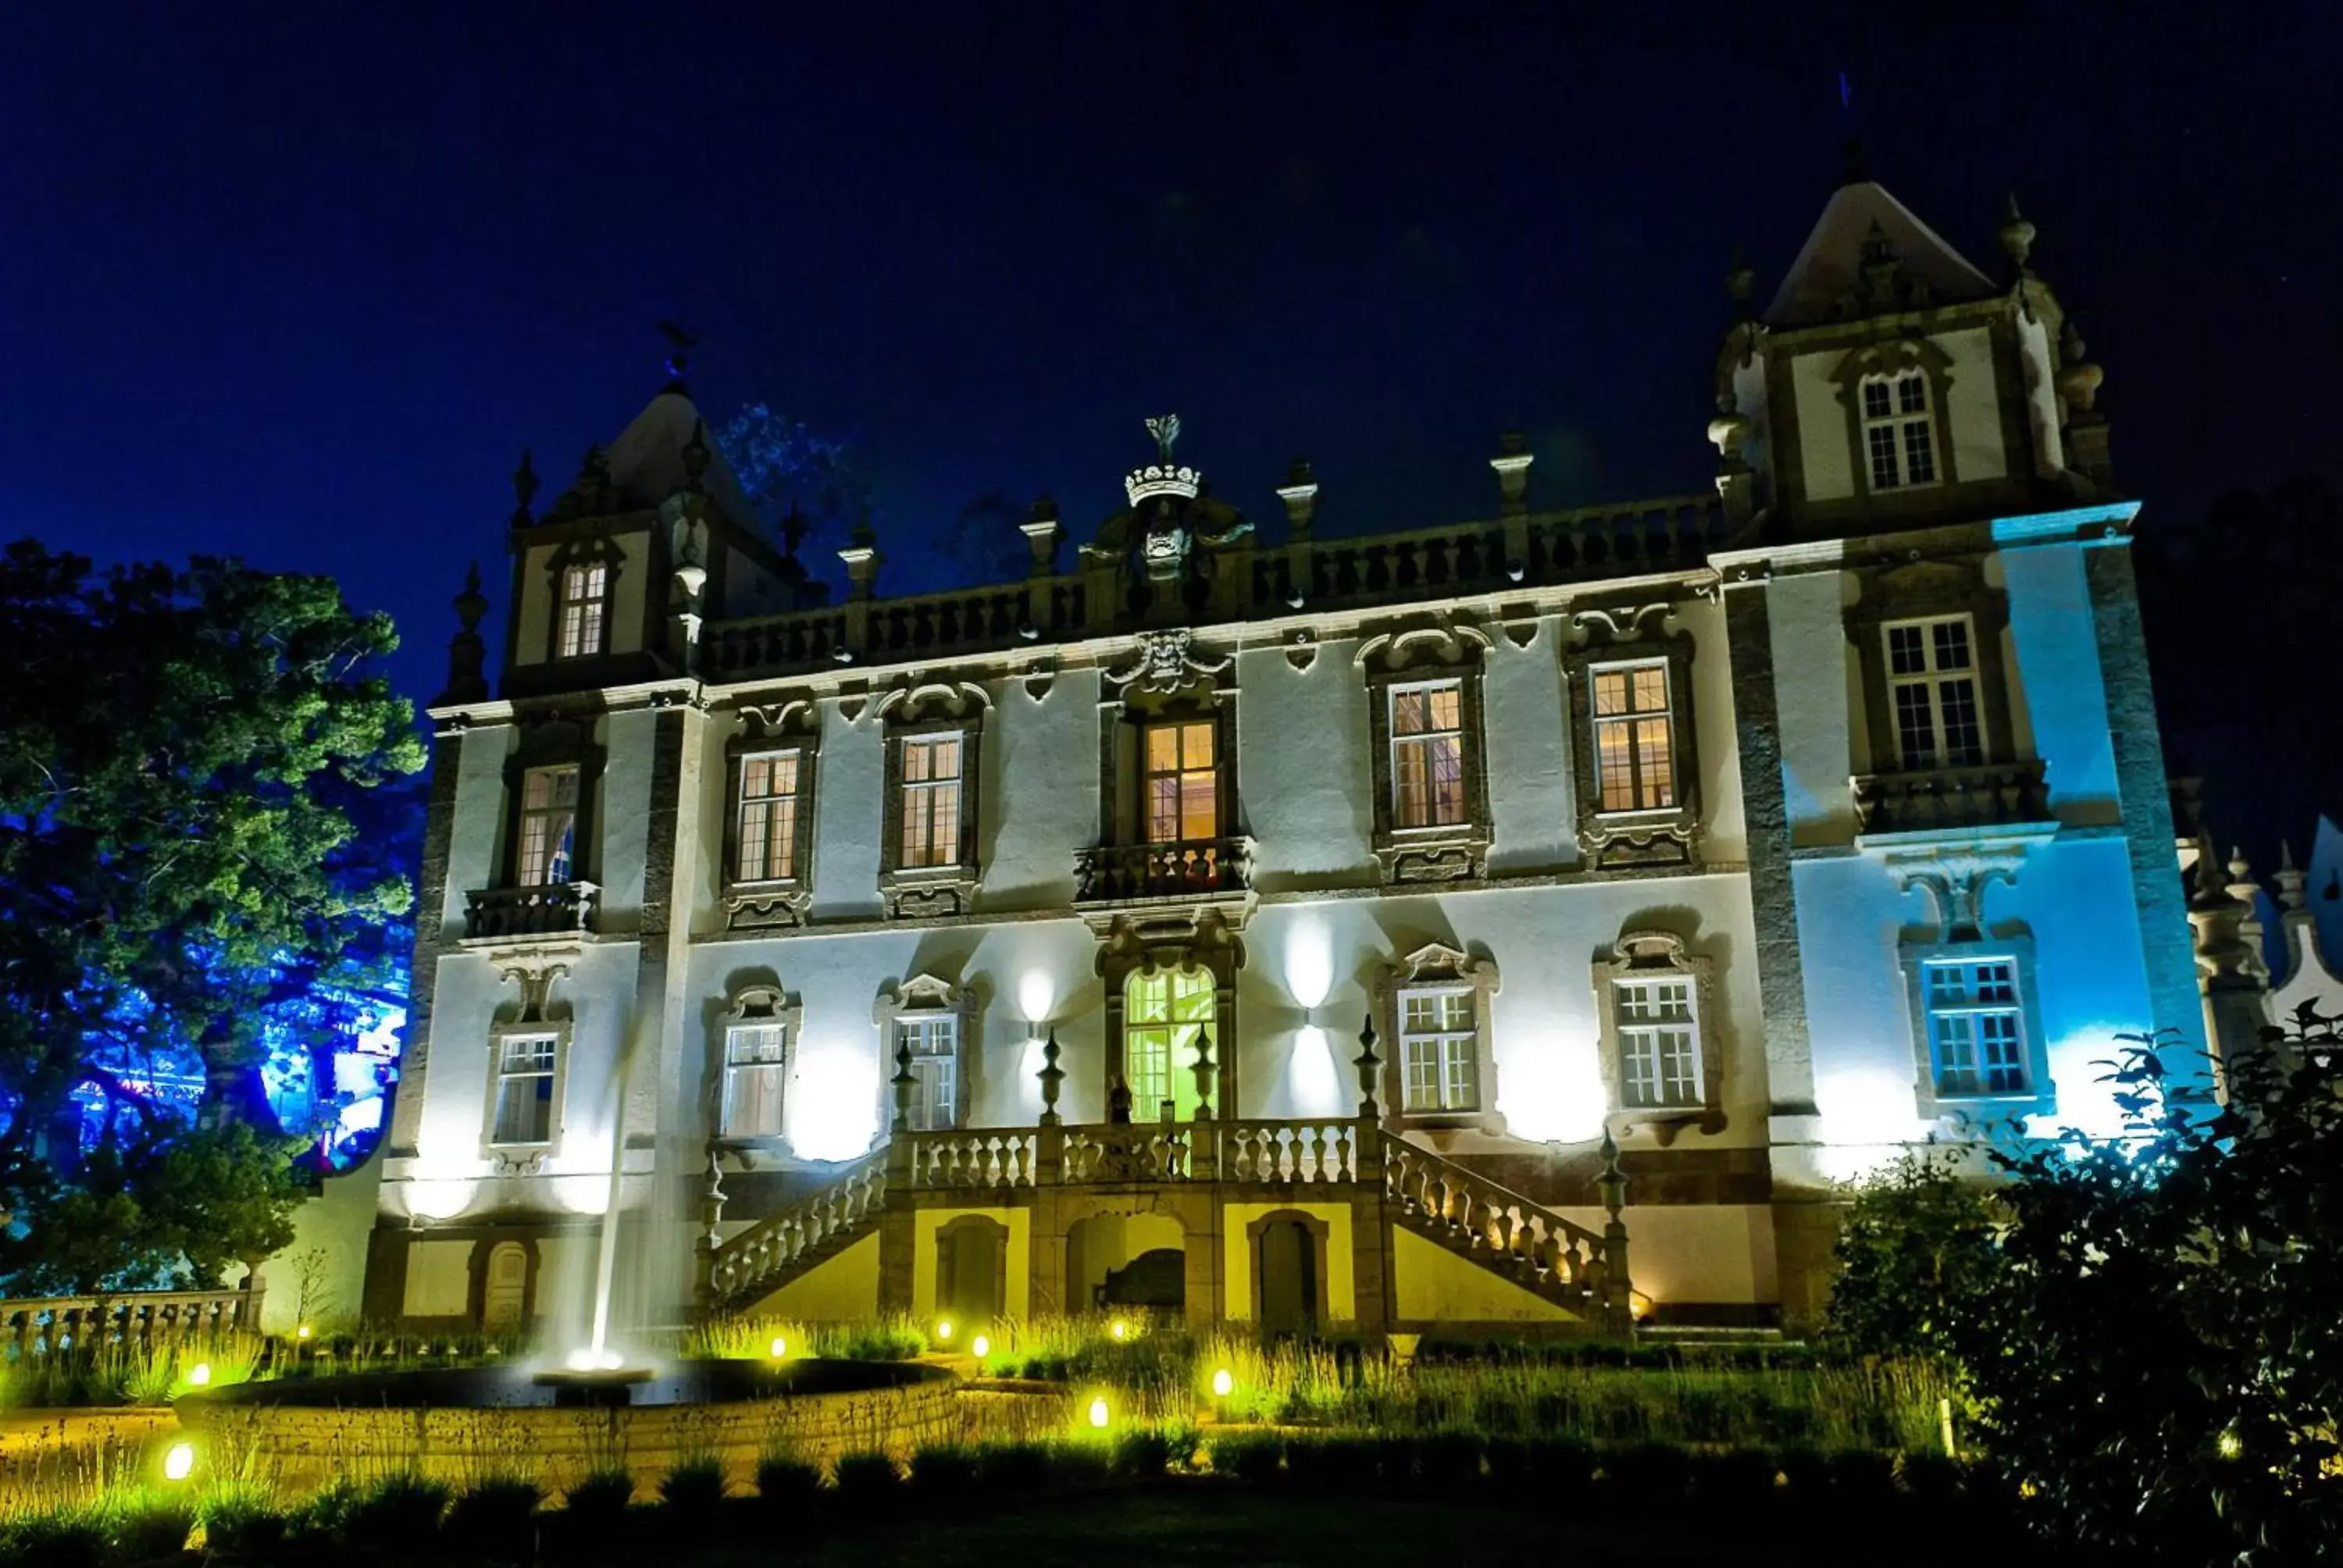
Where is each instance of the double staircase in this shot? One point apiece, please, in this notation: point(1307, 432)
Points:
point(1515, 1238)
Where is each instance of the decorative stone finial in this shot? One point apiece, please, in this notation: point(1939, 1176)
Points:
point(523, 484)
point(467, 653)
point(1300, 493)
point(1053, 1078)
point(1740, 282)
point(2078, 380)
point(1513, 465)
point(1367, 1065)
point(1203, 1069)
point(1162, 477)
point(2289, 878)
point(906, 1082)
point(2017, 235)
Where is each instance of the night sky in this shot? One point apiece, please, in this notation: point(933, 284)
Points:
point(299, 283)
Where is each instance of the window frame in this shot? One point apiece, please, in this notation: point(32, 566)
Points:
point(759, 1005)
point(791, 727)
point(1930, 589)
point(1634, 717)
point(1401, 744)
point(1643, 835)
point(919, 999)
point(1897, 423)
point(1646, 953)
point(549, 743)
point(1181, 727)
point(1887, 363)
point(1419, 658)
point(1438, 969)
point(779, 1066)
point(2038, 1095)
point(1209, 1033)
point(1451, 1049)
point(526, 815)
point(924, 716)
point(525, 1158)
point(594, 608)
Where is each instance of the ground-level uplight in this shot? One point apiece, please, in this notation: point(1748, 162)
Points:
point(1224, 1383)
point(943, 1331)
point(980, 1346)
point(1118, 1328)
point(1099, 1412)
point(302, 1332)
point(780, 1346)
point(199, 1375)
point(180, 1462)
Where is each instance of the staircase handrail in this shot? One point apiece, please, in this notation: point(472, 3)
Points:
point(849, 1201)
point(1489, 1218)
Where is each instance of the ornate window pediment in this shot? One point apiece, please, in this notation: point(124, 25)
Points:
point(528, 1073)
point(1439, 1071)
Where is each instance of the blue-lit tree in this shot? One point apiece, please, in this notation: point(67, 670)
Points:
point(195, 872)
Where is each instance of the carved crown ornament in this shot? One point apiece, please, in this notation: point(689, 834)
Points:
point(1165, 663)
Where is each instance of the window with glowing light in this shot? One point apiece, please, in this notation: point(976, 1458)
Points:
point(1635, 736)
point(1659, 1041)
point(1439, 1047)
point(765, 828)
point(584, 609)
point(1181, 787)
point(1427, 755)
point(1166, 1014)
point(1898, 437)
point(933, 1040)
point(930, 801)
point(1931, 683)
point(548, 825)
point(1977, 1028)
point(756, 1075)
point(525, 1065)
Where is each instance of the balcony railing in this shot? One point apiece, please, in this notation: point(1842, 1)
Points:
point(552, 910)
point(1997, 796)
point(1115, 872)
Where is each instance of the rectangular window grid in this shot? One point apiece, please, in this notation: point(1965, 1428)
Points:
point(767, 817)
point(1634, 742)
point(584, 593)
point(932, 780)
point(525, 1065)
point(1976, 1033)
point(1932, 685)
point(934, 1040)
point(1439, 1049)
point(1164, 1016)
point(1659, 1042)
point(1427, 733)
point(1182, 783)
point(755, 1069)
point(1897, 439)
point(548, 825)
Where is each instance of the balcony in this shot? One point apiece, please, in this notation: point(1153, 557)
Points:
point(554, 909)
point(1117, 873)
point(2002, 795)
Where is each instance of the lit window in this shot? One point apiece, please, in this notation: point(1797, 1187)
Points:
point(1932, 683)
point(1439, 1048)
point(932, 780)
point(934, 1041)
point(1897, 439)
point(1427, 755)
point(1659, 1042)
point(584, 593)
point(1164, 1015)
point(548, 825)
point(768, 825)
point(525, 1065)
point(1976, 1034)
point(1635, 741)
point(756, 1067)
point(1182, 784)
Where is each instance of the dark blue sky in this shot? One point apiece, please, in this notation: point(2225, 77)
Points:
point(300, 282)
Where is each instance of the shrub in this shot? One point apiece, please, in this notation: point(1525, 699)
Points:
point(1080, 1462)
point(1250, 1456)
point(867, 1480)
point(145, 1525)
point(600, 1494)
point(1142, 1454)
point(240, 1519)
point(785, 1479)
point(695, 1485)
point(398, 1512)
point(1649, 1473)
point(62, 1538)
point(1331, 1462)
point(1011, 1469)
point(1733, 1474)
point(1931, 1476)
point(943, 1473)
point(495, 1519)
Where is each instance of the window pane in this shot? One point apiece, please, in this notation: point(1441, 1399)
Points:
point(1163, 749)
point(1615, 765)
point(1610, 691)
point(1875, 400)
point(1411, 785)
point(1196, 746)
point(1915, 731)
point(1200, 815)
point(1446, 754)
point(1952, 643)
point(1652, 688)
point(1963, 745)
point(1408, 713)
point(1447, 708)
point(1912, 395)
point(1654, 763)
point(1919, 453)
point(1146, 997)
point(1906, 650)
point(1882, 438)
point(1163, 809)
point(752, 1102)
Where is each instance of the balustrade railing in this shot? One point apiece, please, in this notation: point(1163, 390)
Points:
point(1163, 871)
point(1299, 1152)
point(1134, 1151)
point(552, 909)
point(1515, 1236)
point(1999, 795)
point(847, 1207)
point(41, 1325)
point(972, 1159)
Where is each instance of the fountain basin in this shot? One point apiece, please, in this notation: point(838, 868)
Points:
point(461, 1423)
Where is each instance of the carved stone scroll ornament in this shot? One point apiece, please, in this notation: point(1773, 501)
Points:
point(1165, 663)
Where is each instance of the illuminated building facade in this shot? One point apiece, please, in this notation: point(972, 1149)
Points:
point(1008, 949)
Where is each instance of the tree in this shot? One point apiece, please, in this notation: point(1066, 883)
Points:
point(1916, 1254)
point(811, 489)
point(181, 752)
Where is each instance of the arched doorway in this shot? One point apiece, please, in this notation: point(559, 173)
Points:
point(1289, 1272)
point(505, 1294)
point(970, 1254)
point(1130, 1260)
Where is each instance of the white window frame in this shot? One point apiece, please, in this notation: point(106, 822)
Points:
point(775, 814)
point(1182, 1040)
point(756, 1050)
point(933, 1036)
point(1645, 1040)
point(1971, 1006)
point(1426, 743)
point(543, 1067)
point(548, 830)
point(584, 612)
point(1933, 680)
point(1180, 777)
point(1453, 1051)
point(1630, 720)
point(1899, 431)
point(923, 797)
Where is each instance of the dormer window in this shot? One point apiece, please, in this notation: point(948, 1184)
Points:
point(1898, 440)
point(584, 609)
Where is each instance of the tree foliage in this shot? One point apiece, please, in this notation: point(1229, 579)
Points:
point(2153, 1337)
point(1916, 1253)
point(181, 753)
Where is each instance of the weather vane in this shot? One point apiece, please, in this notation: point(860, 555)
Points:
point(1165, 429)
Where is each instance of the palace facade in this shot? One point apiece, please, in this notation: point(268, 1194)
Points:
point(1524, 920)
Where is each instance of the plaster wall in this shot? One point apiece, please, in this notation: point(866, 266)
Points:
point(1304, 768)
point(1016, 1258)
point(1821, 419)
point(1038, 801)
point(533, 644)
point(1973, 406)
point(475, 839)
point(1431, 1284)
point(1705, 1252)
point(1819, 726)
point(622, 817)
point(2062, 689)
point(848, 820)
point(438, 1280)
point(842, 1289)
point(1725, 833)
point(631, 585)
point(1339, 1285)
point(1529, 738)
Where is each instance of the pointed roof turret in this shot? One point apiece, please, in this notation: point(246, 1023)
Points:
point(665, 449)
point(1861, 222)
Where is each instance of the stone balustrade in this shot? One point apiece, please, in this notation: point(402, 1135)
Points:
point(36, 1325)
point(765, 1251)
point(1993, 796)
point(1305, 1152)
point(1518, 1236)
point(550, 910)
point(1134, 1151)
point(1112, 873)
point(977, 1158)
